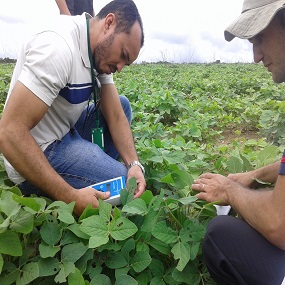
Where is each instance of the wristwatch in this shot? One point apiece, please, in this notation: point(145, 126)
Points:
point(137, 163)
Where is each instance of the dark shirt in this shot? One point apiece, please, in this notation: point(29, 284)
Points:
point(77, 7)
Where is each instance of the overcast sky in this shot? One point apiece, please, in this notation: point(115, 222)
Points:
point(175, 31)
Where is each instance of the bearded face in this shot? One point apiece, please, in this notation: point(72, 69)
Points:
point(102, 52)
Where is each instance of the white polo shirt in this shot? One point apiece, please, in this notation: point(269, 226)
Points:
point(54, 65)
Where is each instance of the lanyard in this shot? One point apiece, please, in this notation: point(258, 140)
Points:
point(96, 86)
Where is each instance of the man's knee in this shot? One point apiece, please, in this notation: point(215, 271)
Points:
point(126, 107)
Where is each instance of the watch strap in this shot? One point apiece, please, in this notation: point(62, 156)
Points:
point(136, 162)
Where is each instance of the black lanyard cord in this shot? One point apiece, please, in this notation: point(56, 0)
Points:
point(96, 86)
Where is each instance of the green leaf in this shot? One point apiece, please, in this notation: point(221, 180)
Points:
point(125, 279)
point(116, 213)
point(247, 166)
point(10, 244)
point(194, 249)
point(100, 279)
point(1, 263)
point(76, 278)
point(77, 231)
point(48, 266)
point(65, 211)
point(96, 241)
point(144, 278)
point(51, 232)
point(181, 251)
point(190, 275)
point(65, 269)
point(132, 185)
point(7, 205)
point(30, 272)
point(196, 230)
point(83, 263)
point(150, 220)
point(123, 229)
point(182, 179)
point(94, 226)
point(10, 278)
point(127, 248)
point(175, 157)
point(105, 210)
point(136, 207)
point(140, 261)
point(235, 164)
point(147, 196)
point(28, 202)
point(158, 159)
point(188, 200)
point(127, 195)
point(156, 267)
point(167, 179)
point(72, 252)
point(160, 246)
point(267, 155)
point(88, 212)
point(47, 250)
point(164, 233)
point(68, 237)
point(22, 222)
point(116, 260)
point(179, 178)
point(158, 281)
point(5, 225)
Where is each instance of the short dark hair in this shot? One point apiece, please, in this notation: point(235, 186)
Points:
point(281, 16)
point(126, 13)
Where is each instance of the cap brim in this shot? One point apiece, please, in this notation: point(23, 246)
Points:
point(252, 22)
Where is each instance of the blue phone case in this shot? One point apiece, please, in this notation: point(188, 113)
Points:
point(114, 186)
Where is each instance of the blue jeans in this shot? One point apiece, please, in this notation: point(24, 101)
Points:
point(79, 161)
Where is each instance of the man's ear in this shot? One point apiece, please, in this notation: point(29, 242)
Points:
point(110, 22)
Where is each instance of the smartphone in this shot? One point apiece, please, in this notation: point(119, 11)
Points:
point(114, 186)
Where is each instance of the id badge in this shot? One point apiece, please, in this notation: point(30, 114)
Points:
point(98, 137)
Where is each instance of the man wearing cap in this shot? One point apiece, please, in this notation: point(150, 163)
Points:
point(251, 249)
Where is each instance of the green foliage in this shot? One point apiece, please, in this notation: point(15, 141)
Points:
point(149, 240)
point(5, 77)
point(188, 119)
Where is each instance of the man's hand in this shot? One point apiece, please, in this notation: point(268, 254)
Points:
point(214, 188)
point(136, 172)
point(88, 195)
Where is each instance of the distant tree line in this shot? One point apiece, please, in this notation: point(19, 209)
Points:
point(7, 60)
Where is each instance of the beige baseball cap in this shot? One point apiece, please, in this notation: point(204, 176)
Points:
point(255, 17)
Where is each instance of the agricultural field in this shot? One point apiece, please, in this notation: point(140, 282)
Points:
point(187, 119)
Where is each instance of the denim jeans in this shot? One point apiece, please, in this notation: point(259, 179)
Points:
point(79, 161)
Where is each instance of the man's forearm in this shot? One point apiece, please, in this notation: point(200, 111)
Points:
point(268, 173)
point(124, 142)
point(63, 9)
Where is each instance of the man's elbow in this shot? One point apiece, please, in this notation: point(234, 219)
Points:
point(2, 138)
point(276, 234)
point(5, 134)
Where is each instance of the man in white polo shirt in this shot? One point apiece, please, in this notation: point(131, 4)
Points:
point(251, 250)
point(45, 130)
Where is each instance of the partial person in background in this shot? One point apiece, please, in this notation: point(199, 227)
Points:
point(75, 7)
point(250, 250)
point(48, 117)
